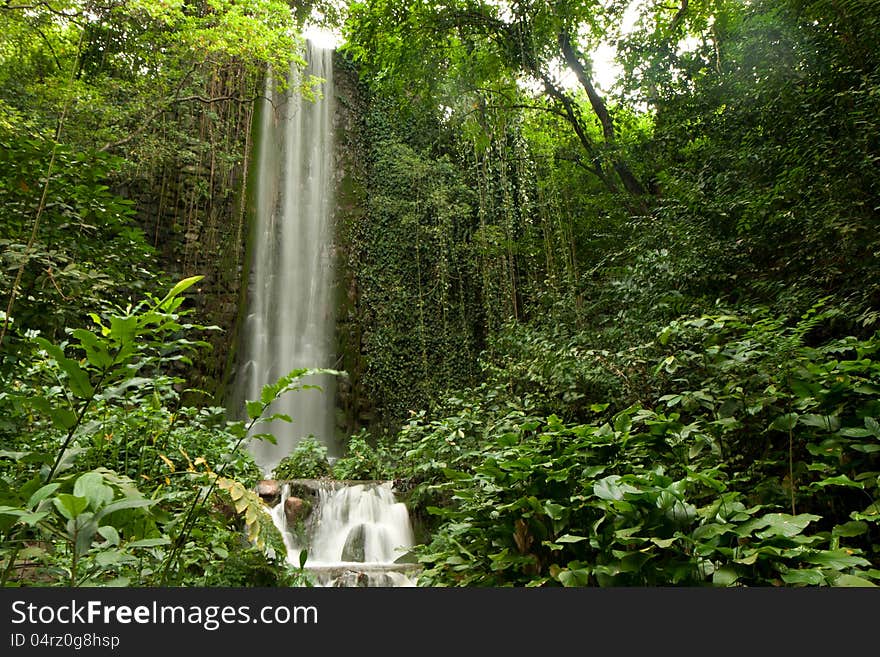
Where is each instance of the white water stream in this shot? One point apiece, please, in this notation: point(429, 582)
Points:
point(353, 536)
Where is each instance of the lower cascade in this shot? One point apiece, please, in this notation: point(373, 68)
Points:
point(353, 533)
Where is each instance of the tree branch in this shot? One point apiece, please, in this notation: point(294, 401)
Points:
point(573, 59)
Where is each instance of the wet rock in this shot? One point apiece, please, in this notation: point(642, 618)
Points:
point(269, 491)
point(296, 509)
point(352, 579)
point(355, 544)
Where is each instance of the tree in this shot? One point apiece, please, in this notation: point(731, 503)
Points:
point(496, 47)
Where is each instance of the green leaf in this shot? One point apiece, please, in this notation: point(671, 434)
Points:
point(725, 576)
point(149, 542)
point(554, 511)
point(826, 422)
point(85, 530)
point(123, 329)
point(41, 494)
point(77, 378)
point(62, 417)
point(609, 488)
point(109, 557)
point(839, 480)
point(836, 559)
point(577, 577)
point(850, 529)
point(783, 524)
point(110, 534)
point(180, 287)
point(853, 581)
point(810, 577)
point(96, 349)
point(254, 409)
point(70, 506)
point(569, 538)
point(785, 422)
point(92, 487)
point(127, 503)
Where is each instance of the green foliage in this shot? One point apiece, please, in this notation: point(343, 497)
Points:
point(308, 460)
point(753, 465)
point(365, 459)
point(97, 482)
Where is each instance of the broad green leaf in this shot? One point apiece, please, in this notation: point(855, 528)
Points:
point(608, 488)
point(123, 329)
point(827, 422)
point(85, 530)
point(254, 409)
point(570, 538)
point(77, 378)
point(96, 349)
point(70, 506)
point(852, 580)
point(62, 417)
point(128, 503)
point(839, 480)
point(554, 511)
point(41, 494)
point(810, 577)
point(783, 524)
point(577, 577)
point(109, 557)
point(92, 487)
point(110, 534)
point(850, 529)
point(836, 559)
point(785, 422)
point(180, 287)
point(725, 576)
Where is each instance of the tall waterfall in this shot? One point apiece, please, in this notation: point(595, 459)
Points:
point(289, 319)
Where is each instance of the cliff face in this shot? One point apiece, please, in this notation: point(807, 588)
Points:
point(354, 410)
point(191, 206)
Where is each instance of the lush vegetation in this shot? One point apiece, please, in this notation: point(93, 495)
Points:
point(612, 335)
point(626, 336)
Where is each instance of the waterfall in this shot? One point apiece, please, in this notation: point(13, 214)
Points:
point(289, 321)
point(354, 533)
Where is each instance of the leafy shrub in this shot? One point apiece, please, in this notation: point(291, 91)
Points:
point(308, 460)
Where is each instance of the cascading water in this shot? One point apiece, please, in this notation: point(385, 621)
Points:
point(290, 320)
point(352, 533)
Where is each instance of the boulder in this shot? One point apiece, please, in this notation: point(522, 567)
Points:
point(269, 491)
point(296, 509)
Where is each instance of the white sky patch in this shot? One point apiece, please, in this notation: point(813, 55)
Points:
point(606, 71)
point(321, 37)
